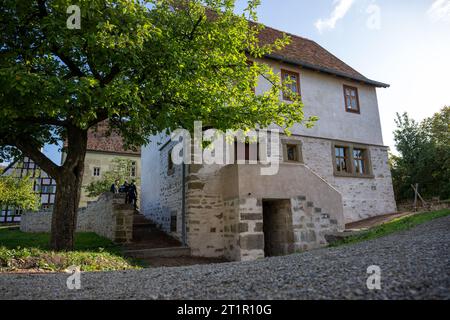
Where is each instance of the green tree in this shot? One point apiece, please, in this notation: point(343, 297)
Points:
point(146, 66)
point(121, 170)
point(18, 192)
point(424, 156)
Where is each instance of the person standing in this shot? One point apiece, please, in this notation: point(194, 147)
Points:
point(115, 187)
point(132, 194)
point(124, 189)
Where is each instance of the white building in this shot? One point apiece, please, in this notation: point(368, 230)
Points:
point(332, 174)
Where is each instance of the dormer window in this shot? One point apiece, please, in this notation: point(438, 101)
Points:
point(351, 99)
point(294, 83)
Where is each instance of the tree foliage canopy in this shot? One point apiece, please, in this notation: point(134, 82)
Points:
point(424, 156)
point(18, 192)
point(146, 67)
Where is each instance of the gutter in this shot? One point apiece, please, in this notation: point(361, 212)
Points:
point(326, 70)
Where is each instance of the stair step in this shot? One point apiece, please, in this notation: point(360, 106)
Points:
point(159, 252)
point(144, 224)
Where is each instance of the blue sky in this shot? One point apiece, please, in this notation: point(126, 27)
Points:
point(407, 47)
point(404, 43)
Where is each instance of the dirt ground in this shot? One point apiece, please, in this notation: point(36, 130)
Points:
point(376, 221)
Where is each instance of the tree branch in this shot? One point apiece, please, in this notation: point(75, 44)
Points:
point(31, 149)
point(194, 29)
point(74, 69)
point(115, 70)
point(43, 121)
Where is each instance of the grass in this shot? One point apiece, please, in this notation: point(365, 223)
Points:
point(21, 251)
point(396, 225)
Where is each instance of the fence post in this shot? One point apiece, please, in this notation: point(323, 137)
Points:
point(416, 191)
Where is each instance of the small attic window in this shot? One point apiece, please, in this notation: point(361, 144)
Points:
point(351, 99)
point(294, 82)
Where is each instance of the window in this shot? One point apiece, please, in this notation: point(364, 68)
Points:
point(47, 189)
point(173, 222)
point(359, 160)
point(351, 99)
point(170, 166)
point(352, 161)
point(133, 169)
point(250, 150)
point(292, 150)
point(96, 172)
point(294, 82)
point(341, 159)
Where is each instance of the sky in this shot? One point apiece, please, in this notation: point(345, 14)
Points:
point(405, 43)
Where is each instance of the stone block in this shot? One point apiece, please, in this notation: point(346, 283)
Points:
point(258, 227)
point(251, 216)
point(243, 227)
point(196, 185)
point(252, 241)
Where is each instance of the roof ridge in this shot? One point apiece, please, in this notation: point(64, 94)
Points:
point(288, 33)
point(315, 43)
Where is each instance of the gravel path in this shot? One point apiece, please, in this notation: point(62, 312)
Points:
point(414, 264)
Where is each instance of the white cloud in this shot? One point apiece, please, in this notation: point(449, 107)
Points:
point(340, 10)
point(440, 10)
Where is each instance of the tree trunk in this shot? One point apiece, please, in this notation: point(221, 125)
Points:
point(69, 182)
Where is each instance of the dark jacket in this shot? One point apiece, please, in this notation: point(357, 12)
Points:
point(124, 189)
point(114, 188)
point(132, 191)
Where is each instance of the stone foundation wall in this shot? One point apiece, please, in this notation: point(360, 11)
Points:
point(205, 212)
point(232, 229)
point(362, 197)
point(224, 204)
point(109, 217)
point(251, 235)
point(310, 224)
point(233, 226)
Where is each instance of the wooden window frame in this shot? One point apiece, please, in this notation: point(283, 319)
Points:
point(363, 160)
point(133, 169)
point(345, 157)
point(298, 144)
point(350, 147)
point(247, 154)
point(285, 72)
point(347, 107)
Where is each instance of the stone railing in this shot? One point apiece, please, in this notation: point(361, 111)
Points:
point(109, 217)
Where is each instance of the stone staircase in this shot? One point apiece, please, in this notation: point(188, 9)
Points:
point(150, 242)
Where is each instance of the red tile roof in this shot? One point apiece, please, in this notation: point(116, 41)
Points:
point(308, 54)
point(99, 139)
